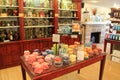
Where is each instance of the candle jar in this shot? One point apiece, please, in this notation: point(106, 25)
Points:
point(58, 61)
point(65, 58)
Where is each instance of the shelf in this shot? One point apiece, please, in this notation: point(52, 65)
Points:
point(68, 10)
point(8, 6)
point(64, 24)
point(115, 21)
point(94, 23)
point(38, 26)
point(40, 17)
point(38, 8)
point(5, 27)
point(68, 17)
point(9, 16)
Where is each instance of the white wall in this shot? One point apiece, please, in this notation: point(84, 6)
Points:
point(101, 11)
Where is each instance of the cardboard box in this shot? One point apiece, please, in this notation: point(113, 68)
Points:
point(115, 59)
point(116, 53)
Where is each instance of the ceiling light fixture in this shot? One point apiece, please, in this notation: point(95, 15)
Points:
point(94, 1)
point(115, 5)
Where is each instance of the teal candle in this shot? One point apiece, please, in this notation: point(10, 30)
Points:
point(116, 37)
point(113, 37)
point(118, 27)
point(119, 37)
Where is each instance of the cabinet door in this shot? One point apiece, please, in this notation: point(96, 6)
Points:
point(31, 45)
point(65, 39)
point(14, 53)
point(3, 49)
point(1, 62)
point(2, 53)
point(7, 61)
point(71, 41)
point(34, 45)
point(46, 43)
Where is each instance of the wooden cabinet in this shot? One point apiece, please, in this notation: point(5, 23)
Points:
point(70, 40)
point(115, 15)
point(2, 54)
point(31, 45)
point(10, 54)
point(46, 44)
point(9, 21)
point(38, 19)
point(30, 37)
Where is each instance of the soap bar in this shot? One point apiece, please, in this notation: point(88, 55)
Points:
point(72, 58)
point(45, 65)
point(31, 59)
point(49, 59)
point(38, 69)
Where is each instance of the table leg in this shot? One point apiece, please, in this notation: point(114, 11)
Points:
point(23, 73)
point(111, 47)
point(79, 71)
point(102, 64)
point(105, 44)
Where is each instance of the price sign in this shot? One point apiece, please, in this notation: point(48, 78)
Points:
point(74, 36)
point(56, 38)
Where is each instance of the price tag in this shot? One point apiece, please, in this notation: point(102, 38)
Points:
point(56, 38)
point(74, 36)
point(114, 32)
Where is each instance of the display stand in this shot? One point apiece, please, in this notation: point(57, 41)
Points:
point(111, 44)
point(50, 73)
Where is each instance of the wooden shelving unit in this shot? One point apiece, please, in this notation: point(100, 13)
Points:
point(12, 50)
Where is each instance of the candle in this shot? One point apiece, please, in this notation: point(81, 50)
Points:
point(65, 58)
point(58, 61)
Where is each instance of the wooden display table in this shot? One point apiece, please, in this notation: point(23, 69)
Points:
point(111, 44)
point(54, 72)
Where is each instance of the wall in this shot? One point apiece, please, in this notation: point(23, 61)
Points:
point(93, 26)
point(101, 11)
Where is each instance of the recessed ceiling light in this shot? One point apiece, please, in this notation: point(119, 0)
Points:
point(94, 1)
point(115, 5)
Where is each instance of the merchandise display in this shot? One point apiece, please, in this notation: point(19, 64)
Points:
point(38, 18)
point(114, 33)
point(41, 61)
point(30, 24)
point(67, 15)
point(9, 25)
point(115, 15)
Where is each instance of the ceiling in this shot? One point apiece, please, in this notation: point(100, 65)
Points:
point(104, 3)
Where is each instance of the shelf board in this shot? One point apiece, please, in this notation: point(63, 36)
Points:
point(94, 23)
point(68, 10)
point(68, 17)
point(118, 21)
point(39, 17)
point(9, 16)
point(64, 24)
point(8, 6)
point(38, 26)
point(38, 8)
point(5, 27)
